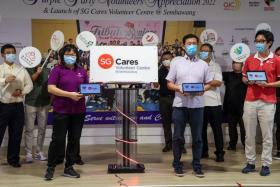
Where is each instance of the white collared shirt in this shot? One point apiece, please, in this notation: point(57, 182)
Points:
point(22, 82)
point(212, 97)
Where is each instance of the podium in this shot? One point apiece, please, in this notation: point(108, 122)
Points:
point(126, 133)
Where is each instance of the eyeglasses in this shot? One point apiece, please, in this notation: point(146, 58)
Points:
point(260, 41)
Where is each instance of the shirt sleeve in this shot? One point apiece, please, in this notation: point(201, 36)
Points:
point(208, 76)
point(2, 78)
point(54, 77)
point(171, 76)
point(28, 85)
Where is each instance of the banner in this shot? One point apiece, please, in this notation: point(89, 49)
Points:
point(121, 32)
point(142, 9)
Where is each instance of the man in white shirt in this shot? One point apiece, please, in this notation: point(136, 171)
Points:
point(213, 105)
point(11, 102)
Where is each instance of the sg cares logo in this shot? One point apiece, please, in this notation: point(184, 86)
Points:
point(105, 61)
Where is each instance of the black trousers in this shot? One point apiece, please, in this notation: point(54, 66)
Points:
point(165, 109)
point(277, 121)
point(213, 115)
point(63, 124)
point(233, 120)
point(12, 116)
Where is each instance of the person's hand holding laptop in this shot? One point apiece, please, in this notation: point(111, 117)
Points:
point(193, 89)
point(257, 77)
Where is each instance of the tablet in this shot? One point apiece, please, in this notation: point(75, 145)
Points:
point(90, 89)
point(193, 87)
point(256, 76)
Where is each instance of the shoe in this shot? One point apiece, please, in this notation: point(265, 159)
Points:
point(231, 148)
point(184, 150)
point(29, 158)
point(70, 172)
point(40, 156)
point(167, 149)
point(49, 173)
point(220, 158)
point(249, 168)
point(59, 162)
point(15, 165)
point(79, 162)
point(277, 156)
point(265, 171)
point(198, 173)
point(205, 155)
point(179, 172)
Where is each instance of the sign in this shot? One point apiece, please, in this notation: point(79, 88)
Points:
point(121, 32)
point(239, 52)
point(150, 38)
point(85, 40)
point(57, 40)
point(124, 64)
point(30, 57)
point(209, 36)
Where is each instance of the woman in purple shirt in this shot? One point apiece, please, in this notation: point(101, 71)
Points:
point(68, 110)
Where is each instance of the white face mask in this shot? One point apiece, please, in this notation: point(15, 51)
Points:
point(166, 63)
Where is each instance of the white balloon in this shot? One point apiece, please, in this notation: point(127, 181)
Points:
point(57, 40)
point(239, 52)
point(209, 36)
point(150, 39)
point(85, 40)
point(30, 57)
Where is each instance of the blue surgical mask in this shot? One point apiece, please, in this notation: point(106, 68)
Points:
point(203, 55)
point(11, 58)
point(191, 49)
point(260, 47)
point(70, 60)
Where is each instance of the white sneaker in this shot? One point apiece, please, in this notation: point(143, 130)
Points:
point(40, 156)
point(29, 158)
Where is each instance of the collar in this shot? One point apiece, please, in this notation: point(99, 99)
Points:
point(193, 59)
point(263, 59)
point(9, 66)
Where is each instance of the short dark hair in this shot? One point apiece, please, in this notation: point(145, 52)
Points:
point(166, 53)
point(208, 45)
point(268, 36)
point(67, 48)
point(7, 46)
point(277, 49)
point(190, 36)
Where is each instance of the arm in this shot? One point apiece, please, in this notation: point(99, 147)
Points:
point(173, 87)
point(36, 75)
point(28, 85)
point(218, 77)
point(52, 89)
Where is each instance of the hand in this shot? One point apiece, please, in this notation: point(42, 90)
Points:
point(251, 82)
point(199, 94)
point(17, 93)
point(180, 89)
point(10, 79)
point(39, 70)
point(75, 96)
point(263, 84)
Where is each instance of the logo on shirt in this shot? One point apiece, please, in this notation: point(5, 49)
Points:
point(105, 61)
point(79, 75)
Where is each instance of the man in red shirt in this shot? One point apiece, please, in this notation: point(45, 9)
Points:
point(260, 101)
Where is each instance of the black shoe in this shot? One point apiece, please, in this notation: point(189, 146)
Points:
point(220, 158)
point(79, 162)
point(231, 148)
point(70, 172)
point(277, 156)
point(205, 155)
point(59, 162)
point(15, 165)
point(179, 172)
point(249, 168)
point(184, 150)
point(49, 173)
point(167, 148)
point(198, 173)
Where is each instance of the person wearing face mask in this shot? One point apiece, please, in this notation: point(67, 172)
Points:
point(165, 101)
point(188, 107)
point(260, 101)
point(213, 105)
point(68, 110)
point(11, 102)
point(233, 104)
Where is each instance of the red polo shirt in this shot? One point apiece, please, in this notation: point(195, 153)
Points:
point(271, 66)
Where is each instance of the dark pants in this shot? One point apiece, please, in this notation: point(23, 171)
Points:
point(233, 120)
point(165, 109)
point(12, 116)
point(213, 115)
point(277, 121)
point(194, 116)
point(63, 124)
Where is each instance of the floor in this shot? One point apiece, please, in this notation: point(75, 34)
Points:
point(158, 170)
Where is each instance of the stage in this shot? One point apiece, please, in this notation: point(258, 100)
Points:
point(158, 170)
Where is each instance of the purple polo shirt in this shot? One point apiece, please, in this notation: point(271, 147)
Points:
point(68, 80)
